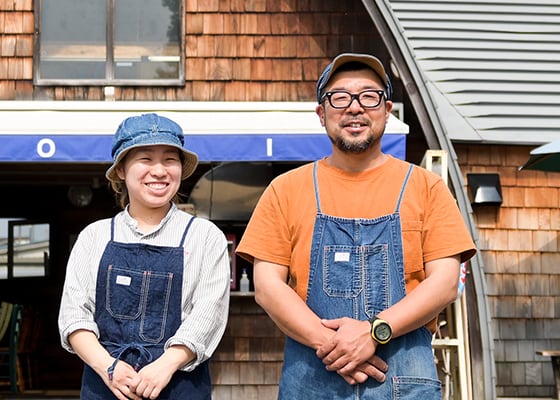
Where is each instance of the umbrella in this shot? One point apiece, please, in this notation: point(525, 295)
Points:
point(544, 158)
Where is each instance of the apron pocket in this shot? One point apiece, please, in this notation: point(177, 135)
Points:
point(342, 271)
point(378, 289)
point(134, 294)
point(154, 317)
point(351, 270)
point(124, 293)
point(414, 388)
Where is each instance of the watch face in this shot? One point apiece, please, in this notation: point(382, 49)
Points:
point(383, 331)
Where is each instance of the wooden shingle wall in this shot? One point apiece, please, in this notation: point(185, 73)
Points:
point(235, 50)
point(16, 49)
point(248, 361)
point(520, 243)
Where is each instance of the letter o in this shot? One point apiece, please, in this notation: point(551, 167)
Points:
point(46, 148)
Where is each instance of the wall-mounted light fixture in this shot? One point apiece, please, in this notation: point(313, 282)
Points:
point(485, 189)
point(80, 195)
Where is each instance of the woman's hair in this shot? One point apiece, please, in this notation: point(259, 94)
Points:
point(121, 193)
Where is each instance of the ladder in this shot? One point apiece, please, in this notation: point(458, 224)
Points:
point(450, 343)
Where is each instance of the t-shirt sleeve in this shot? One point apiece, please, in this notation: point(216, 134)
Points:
point(445, 233)
point(267, 235)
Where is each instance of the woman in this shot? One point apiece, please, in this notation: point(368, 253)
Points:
point(146, 295)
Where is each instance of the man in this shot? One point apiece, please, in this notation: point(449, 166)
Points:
point(356, 254)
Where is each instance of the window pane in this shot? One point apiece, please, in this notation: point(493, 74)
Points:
point(147, 39)
point(72, 39)
point(24, 248)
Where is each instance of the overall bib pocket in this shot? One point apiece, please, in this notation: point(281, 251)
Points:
point(154, 317)
point(133, 294)
point(124, 292)
point(349, 271)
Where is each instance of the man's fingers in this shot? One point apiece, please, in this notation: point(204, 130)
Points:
point(373, 372)
point(335, 362)
point(379, 363)
point(355, 377)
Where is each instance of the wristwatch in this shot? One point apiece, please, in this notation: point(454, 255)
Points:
point(381, 331)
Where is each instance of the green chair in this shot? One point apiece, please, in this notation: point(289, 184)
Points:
point(9, 366)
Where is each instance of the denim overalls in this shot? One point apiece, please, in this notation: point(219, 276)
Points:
point(138, 307)
point(357, 271)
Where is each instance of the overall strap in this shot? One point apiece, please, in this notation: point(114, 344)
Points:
point(316, 185)
point(401, 194)
point(186, 230)
point(112, 229)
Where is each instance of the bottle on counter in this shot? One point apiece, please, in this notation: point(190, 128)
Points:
point(244, 282)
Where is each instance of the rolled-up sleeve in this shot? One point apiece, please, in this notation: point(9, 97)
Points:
point(206, 290)
point(77, 305)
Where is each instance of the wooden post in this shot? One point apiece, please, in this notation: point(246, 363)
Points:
point(555, 358)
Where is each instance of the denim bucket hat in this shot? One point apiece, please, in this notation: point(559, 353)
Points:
point(344, 58)
point(149, 130)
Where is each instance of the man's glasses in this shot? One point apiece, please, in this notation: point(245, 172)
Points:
point(370, 98)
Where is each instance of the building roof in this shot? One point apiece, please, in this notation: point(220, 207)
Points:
point(492, 67)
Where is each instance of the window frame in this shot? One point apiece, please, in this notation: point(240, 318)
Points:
point(109, 79)
point(9, 255)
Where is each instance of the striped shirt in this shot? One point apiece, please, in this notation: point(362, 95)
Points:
point(206, 278)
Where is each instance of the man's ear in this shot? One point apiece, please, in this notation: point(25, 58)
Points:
point(320, 111)
point(388, 109)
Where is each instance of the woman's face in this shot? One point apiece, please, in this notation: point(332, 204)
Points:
point(152, 176)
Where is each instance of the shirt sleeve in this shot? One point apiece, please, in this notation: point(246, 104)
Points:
point(77, 306)
point(206, 292)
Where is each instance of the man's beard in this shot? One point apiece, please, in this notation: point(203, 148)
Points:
point(352, 147)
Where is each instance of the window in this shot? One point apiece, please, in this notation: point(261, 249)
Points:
point(109, 42)
point(24, 248)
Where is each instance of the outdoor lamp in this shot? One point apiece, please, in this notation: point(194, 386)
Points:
point(485, 189)
point(80, 195)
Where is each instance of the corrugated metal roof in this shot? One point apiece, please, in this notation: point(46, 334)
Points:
point(493, 67)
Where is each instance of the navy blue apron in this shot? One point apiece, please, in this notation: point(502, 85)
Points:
point(357, 271)
point(138, 307)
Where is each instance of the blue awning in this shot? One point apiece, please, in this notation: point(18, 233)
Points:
point(217, 132)
point(239, 147)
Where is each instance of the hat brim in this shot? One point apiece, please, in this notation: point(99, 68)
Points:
point(190, 162)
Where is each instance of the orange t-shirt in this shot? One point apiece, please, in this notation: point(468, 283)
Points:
point(281, 227)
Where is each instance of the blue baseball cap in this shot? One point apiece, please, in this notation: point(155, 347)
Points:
point(149, 130)
point(344, 58)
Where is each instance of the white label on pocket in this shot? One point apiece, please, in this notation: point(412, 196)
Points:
point(342, 257)
point(123, 280)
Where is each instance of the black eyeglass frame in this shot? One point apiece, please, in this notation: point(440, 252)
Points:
point(354, 96)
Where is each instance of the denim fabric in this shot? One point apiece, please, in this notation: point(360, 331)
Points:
point(357, 271)
point(138, 307)
point(149, 130)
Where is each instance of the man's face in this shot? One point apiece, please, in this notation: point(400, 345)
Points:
point(355, 129)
